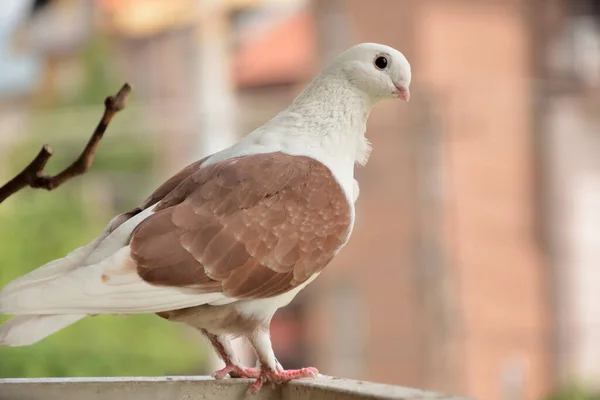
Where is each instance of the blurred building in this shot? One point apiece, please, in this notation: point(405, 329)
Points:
point(569, 145)
point(444, 265)
point(472, 267)
point(459, 276)
point(55, 31)
point(17, 81)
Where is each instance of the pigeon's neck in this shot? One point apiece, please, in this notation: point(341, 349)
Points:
point(332, 97)
point(331, 113)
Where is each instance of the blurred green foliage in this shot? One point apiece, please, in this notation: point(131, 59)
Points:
point(38, 226)
point(99, 75)
point(574, 393)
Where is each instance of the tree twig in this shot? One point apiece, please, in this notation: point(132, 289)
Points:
point(33, 175)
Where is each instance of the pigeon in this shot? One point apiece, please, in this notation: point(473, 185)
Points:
point(231, 238)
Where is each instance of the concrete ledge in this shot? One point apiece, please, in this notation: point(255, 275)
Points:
point(196, 388)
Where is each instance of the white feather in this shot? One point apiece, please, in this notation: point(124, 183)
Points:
point(265, 308)
point(24, 330)
point(118, 238)
point(111, 286)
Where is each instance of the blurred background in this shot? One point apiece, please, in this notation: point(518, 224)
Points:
point(473, 267)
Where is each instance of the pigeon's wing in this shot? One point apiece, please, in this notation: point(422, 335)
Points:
point(244, 228)
point(249, 227)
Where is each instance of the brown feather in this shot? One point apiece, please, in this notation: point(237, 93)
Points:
point(251, 227)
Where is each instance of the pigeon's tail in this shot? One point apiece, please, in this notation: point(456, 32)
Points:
point(112, 286)
point(25, 330)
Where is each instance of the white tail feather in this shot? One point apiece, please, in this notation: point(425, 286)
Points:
point(117, 239)
point(24, 330)
point(100, 278)
point(111, 286)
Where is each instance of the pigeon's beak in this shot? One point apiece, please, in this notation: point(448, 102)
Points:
point(402, 92)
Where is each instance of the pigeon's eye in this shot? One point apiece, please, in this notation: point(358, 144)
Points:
point(381, 62)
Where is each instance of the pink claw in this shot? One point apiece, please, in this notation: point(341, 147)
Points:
point(281, 376)
point(237, 372)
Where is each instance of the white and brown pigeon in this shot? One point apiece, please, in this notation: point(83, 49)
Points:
point(233, 237)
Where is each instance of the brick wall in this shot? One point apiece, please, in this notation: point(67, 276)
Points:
point(483, 306)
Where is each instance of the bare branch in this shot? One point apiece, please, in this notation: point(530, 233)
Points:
point(33, 175)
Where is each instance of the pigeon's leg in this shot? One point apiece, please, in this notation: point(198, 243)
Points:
point(270, 369)
point(222, 346)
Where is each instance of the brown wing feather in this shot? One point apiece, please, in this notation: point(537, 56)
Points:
point(252, 227)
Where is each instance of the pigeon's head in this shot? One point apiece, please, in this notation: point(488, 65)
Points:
point(376, 69)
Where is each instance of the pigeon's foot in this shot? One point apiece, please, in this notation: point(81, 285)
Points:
point(281, 376)
point(235, 371)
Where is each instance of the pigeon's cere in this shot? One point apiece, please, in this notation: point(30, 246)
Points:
point(233, 237)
